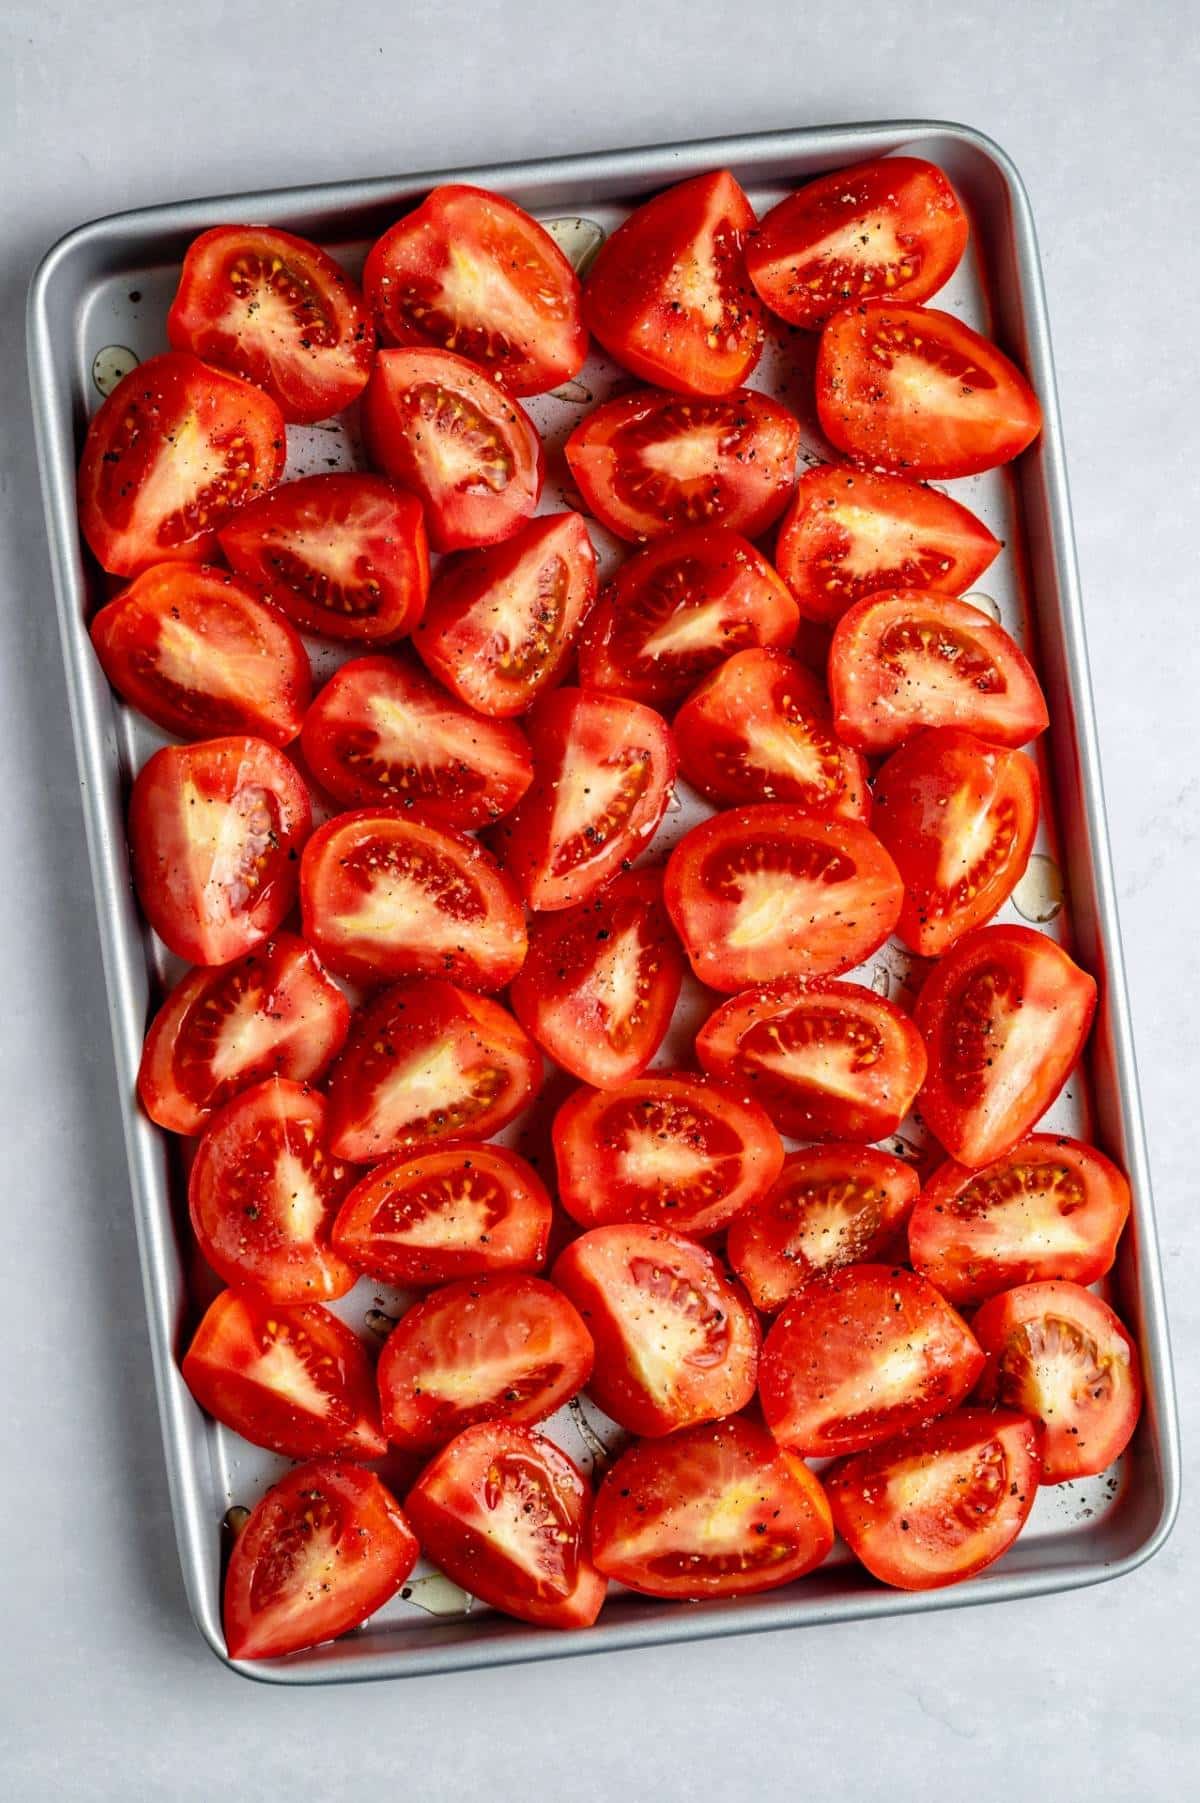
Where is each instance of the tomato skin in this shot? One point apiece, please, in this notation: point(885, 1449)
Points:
point(461, 240)
point(668, 296)
point(860, 1355)
point(501, 622)
point(200, 653)
point(848, 533)
point(990, 1466)
point(973, 409)
point(667, 1149)
point(1051, 1207)
point(324, 1507)
point(437, 425)
point(715, 1510)
point(990, 1079)
point(295, 1380)
point(174, 418)
point(676, 1342)
point(503, 1512)
point(904, 660)
point(385, 897)
point(651, 462)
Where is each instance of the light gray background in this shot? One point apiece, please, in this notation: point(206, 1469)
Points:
point(106, 1692)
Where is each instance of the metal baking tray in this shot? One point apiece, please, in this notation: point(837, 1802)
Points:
point(100, 297)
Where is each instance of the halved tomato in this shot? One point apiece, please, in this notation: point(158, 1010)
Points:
point(383, 897)
point(760, 729)
point(277, 311)
point(380, 732)
point(425, 1063)
point(1051, 1207)
point(676, 609)
point(263, 1191)
point(914, 390)
point(1060, 1354)
point(772, 892)
point(831, 1206)
point(273, 1012)
point(676, 1341)
point(603, 769)
point(295, 1380)
point(174, 452)
point(504, 1347)
point(503, 1512)
point(215, 832)
point(668, 1148)
point(942, 1503)
point(904, 660)
point(343, 555)
point(849, 533)
point(717, 1510)
point(199, 653)
point(456, 1211)
point(861, 1354)
point(1004, 1016)
point(326, 1547)
point(471, 272)
point(652, 462)
point(437, 425)
point(500, 622)
point(894, 226)
point(600, 981)
point(669, 296)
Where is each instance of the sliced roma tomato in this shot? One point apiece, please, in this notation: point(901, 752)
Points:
point(263, 1191)
point(1051, 1207)
point(668, 294)
point(860, 1354)
point(500, 622)
point(326, 1547)
point(277, 311)
point(717, 1510)
point(471, 272)
point(174, 452)
point(603, 769)
point(295, 1380)
point(504, 1347)
point(676, 609)
point(199, 653)
point(904, 660)
point(1058, 1353)
point(343, 555)
point(760, 729)
point(849, 533)
point(436, 424)
point(891, 226)
point(273, 1012)
point(456, 1211)
point(503, 1512)
point(767, 892)
point(215, 833)
point(600, 981)
point(652, 462)
point(831, 1206)
point(668, 1149)
point(676, 1342)
point(940, 1504)
point(425, 1063)
point(959, 818)
point(380, 732)
point(383, 896)
point(916, 391)
point(1004, 1016)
